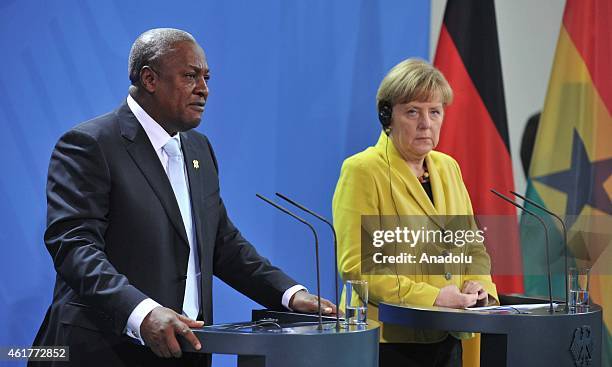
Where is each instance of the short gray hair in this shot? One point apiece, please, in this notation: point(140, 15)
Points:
point(151, 46)
point(413, 80)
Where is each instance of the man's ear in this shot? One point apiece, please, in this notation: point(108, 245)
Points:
point(148, 79)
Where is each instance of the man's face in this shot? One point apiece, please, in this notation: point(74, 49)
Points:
point(182, 87)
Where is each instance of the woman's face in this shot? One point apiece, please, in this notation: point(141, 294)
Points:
point(415, 127)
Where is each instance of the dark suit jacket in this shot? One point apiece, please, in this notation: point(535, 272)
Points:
point(116, 236)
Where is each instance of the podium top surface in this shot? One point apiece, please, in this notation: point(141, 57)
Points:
point(504, 310)
point(276, 328)
point(486, 321)
point(257, 338)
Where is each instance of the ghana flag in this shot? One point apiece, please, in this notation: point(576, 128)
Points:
point(571, 166)
point(475, 130)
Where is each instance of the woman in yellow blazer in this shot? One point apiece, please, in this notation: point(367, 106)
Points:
point(402, 175)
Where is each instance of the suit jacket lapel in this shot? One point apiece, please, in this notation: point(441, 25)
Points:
point(140, 149)
point(417, 191)
point(195, 175)
point(436, 186)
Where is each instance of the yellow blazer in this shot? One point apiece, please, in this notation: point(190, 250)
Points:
point(364, 189)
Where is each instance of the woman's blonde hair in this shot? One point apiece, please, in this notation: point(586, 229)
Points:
point(413, 80)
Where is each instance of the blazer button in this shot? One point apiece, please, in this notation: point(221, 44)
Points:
point(448, 276)
point(182, 278)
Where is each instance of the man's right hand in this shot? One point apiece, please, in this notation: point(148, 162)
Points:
point(160, 327)
point(451, 296)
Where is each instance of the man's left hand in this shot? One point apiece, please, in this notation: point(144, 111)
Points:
point(303, 301)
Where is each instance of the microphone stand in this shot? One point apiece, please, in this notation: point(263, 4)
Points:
point(541, 207)
point(286, 211)
point(320, 217)
point(505, 198)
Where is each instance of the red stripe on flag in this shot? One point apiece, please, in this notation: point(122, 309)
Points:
point(588, 24)
point(471, 137)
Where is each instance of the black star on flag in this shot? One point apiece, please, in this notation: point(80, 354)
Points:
point(583, 182)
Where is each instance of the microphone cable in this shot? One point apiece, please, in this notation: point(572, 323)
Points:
point(399, 285)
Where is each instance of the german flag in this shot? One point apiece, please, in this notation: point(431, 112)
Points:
point(571, 166)
point(475, 130)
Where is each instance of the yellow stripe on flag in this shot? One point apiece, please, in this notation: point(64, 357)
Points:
point(571, 102)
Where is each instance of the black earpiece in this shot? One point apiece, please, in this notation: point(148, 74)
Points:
point(385, 112)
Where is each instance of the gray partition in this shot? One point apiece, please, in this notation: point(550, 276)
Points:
point(537, 338)
point(288, 343)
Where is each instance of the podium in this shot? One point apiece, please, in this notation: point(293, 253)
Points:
point(536, 338)
point(275, 339)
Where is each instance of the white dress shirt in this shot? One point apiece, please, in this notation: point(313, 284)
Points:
point(159, 137)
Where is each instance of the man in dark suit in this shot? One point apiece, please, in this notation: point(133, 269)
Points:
point(136, 226)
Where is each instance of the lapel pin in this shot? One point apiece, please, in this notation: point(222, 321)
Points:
point(196, 164)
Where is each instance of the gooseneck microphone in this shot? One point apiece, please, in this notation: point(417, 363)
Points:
point(320, 217)
point(286, 211)
point(505, 198)
point(541, 207)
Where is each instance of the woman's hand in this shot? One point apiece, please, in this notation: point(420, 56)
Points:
point(474, 287)
point(450, 296)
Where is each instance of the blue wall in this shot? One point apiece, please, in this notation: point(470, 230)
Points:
point(292, 95)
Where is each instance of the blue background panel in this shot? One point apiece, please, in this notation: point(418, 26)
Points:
point(292, 95)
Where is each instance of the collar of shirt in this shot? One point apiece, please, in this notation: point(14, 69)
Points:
point(156, 134)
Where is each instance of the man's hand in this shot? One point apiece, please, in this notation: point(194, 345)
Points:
point(159, 329)
point(303, 301)
point(474, 287)
point(450, 296)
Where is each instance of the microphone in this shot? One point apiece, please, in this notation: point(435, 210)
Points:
point(505, 198)
point(320, 217)
point(541, 207)
point(286, 211)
